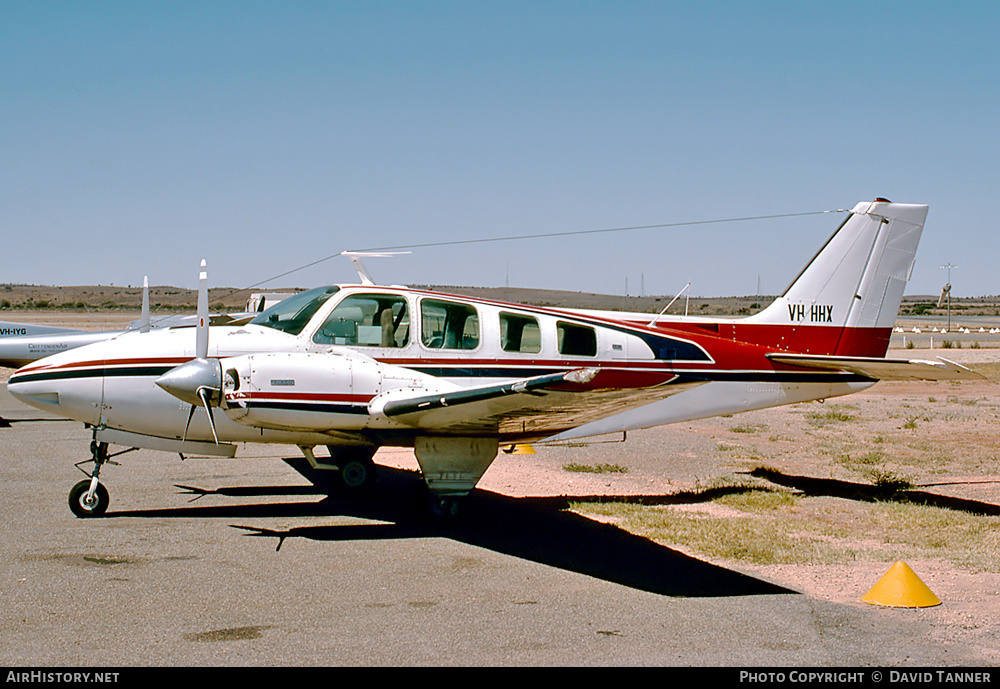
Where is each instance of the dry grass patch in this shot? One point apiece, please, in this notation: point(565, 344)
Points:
point(771, 527)
point(595, 468)
point(834, 414)
point(750, 530)
point(749, 428)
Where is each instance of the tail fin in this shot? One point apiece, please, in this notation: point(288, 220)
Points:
point(854, 285)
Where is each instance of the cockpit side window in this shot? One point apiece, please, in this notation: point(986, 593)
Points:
point(448, 325)
point(367, 320)
point(291, 315)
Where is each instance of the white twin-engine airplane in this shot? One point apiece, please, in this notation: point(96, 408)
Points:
point(358, 367)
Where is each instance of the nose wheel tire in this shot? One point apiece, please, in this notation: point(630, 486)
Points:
point(84, 508)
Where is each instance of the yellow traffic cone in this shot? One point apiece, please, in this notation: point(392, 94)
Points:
point(901, 588)
point(519, 450)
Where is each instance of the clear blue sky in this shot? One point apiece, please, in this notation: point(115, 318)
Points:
point(138, 137)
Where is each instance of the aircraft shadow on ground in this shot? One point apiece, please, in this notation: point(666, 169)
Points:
point(20, 417)
point(876, 493)
point(536, 529)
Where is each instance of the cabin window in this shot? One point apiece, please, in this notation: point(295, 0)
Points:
point(520, 334)
point(448, 325)
point(576, 340)
point(367, 320)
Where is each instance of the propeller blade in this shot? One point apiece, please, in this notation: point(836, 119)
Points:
point(188, 424)
point(204, 393)
point(196, 381)
point(201, 343)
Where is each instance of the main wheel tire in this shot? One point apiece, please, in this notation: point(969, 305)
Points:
point(78, 500)
point(357, 474)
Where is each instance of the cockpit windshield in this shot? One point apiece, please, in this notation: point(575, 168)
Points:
point(291, 315)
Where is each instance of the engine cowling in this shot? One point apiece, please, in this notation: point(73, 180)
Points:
point(313, 391)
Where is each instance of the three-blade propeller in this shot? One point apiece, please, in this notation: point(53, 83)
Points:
point(199, 381)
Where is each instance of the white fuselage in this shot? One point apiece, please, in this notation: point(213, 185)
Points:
point(424, 339)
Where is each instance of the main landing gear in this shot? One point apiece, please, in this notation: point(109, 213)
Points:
point(90, 498)
point(348, 470)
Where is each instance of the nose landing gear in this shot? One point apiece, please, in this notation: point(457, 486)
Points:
point(89, 498)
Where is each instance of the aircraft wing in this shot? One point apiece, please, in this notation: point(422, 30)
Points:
point(532, 407)
point(881, 369)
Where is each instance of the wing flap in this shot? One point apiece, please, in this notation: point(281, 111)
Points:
point(881, 369)
point(531, 408)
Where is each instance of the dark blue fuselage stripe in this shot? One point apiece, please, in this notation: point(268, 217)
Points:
point(691, 374)
point(133, 371)
point(488, 372)
point(311, 407)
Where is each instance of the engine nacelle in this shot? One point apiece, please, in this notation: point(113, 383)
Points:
point(313, 391)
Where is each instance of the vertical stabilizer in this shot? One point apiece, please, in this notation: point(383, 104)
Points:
point(144, 322)
point(854, 284)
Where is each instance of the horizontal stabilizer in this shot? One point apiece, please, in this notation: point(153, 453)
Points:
point(881, 369)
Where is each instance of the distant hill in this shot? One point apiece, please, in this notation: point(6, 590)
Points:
point(112, 298)
point(98, 298)
point(101, 298)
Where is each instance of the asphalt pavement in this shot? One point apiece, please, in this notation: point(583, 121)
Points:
point(245, 564)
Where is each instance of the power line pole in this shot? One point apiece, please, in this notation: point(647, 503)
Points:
point(947, 289)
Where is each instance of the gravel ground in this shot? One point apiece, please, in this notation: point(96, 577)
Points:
point(955, 423)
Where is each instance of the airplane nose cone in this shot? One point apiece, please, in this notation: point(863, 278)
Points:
point(22, 388)
point(71, 394)
point(184, 381)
